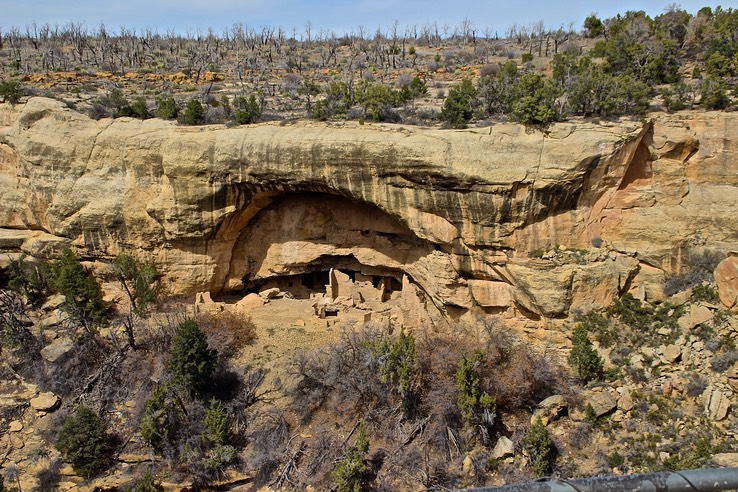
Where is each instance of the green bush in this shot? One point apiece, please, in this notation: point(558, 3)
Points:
point(147, 483)
point(28, 279)
point(398, 366)
point(714, 93)
point(84, 442)
point(219, 458)
point(473, 402)
point(10, 91)
point(539, 448)
point(457, 107)
point(82, 294)
point(162, 417)
point(376, 99)
point(679, 97)
point(632, 312)
point(350, 473)
point(166, 108)
point(140, 109)
point(695, 455)
point(246, 110)
point(138, 279)
point(416, 88)
point(191, 361)
point(615, 460)
point(583, 357)
point(217, 424)
point(606, 333)
point(593, 26)
point(194, 113)
point(534, 100)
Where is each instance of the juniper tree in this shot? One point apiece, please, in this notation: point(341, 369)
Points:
point(84, 442)
point(191, 361)
point(82, 293)
point(583, 357)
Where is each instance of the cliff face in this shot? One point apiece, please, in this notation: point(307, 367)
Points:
point(457, 212)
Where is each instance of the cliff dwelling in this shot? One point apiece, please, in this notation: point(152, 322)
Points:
point(334, 252)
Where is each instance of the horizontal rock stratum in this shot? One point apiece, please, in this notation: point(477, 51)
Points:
point(458, 212)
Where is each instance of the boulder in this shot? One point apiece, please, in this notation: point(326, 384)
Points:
point(466, 466)
point(45, 402)
point(132, 458)
point(271, 293)
point(732, 376)
point(717, 404)
point(56, 349)
point(549, 409)
point(625, 403)
point(250, 302)
point(726, 278)
point(52, 320)
point(542, 289)
point(44, 245)
point(671, 353)
point(681, 297)
point(503, 449)
point(491, 294)
point(648, 284)
point(726, 459)
point(602, 402)
point(696, 315)
point(53, 302)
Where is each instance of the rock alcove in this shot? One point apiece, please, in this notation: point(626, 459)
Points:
point(322, 245)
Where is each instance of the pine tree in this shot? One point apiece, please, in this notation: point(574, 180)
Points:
point(583, 357)
point(191, 361)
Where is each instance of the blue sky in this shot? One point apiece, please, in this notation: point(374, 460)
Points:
point(329, 15)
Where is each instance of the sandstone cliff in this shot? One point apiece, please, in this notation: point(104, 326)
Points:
point(457, 212)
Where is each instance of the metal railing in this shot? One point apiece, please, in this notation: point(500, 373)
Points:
point(702, 480)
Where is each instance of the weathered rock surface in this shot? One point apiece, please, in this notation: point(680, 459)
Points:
point(602, 402)
point(696, 315)
point(503, 449)
point(625, 403)
point(45, 402)
point(455, 211)
point(725, 459)
point(549, 409)
point(717, 403)
point(57, 349)
point(726, 277)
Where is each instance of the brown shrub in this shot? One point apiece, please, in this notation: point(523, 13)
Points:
point(227, 331)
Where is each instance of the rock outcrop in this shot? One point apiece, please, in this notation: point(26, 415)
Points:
point(726, 277)
point(457, 212)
